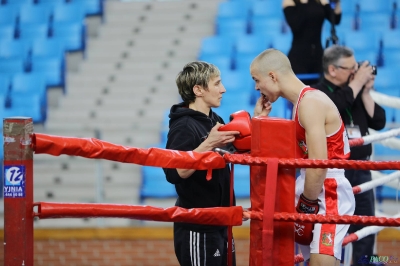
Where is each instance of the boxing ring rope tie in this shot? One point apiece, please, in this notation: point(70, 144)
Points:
point(375, 137)
point(375, 183)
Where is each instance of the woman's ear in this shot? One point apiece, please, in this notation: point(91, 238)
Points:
point(198, 90)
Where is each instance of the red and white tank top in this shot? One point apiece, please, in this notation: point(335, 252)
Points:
point(337, 143)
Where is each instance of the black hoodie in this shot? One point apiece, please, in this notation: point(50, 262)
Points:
point(187, 130)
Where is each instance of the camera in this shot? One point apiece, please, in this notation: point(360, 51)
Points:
point(374, 69)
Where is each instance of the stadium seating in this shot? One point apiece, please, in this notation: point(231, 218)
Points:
point(72, 34)
point(223, 62)
point(231, 26)
point(155, 185)
point(8, 15)
point(35, 14)
point(217, 45)
point(71, 12)
point(32, 31)
point(7, 32)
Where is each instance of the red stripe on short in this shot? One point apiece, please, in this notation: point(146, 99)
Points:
point(328, 231)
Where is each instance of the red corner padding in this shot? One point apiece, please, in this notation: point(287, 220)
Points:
point(240, 121)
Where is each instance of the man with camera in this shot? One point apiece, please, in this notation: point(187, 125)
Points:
point(348, 84)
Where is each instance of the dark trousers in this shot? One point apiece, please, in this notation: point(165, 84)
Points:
point(202, 248)
point(365, 205)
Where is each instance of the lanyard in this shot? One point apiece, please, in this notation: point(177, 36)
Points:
point(347, 109)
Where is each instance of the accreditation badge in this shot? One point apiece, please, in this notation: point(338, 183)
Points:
point(353, 131)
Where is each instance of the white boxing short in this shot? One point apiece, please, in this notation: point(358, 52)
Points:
point(336, 198)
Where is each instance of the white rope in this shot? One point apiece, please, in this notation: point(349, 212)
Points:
point(378, 182)
point(381, 136)
point(393, 183)
point(385, 100)
point(393, 143)
point(369, 230)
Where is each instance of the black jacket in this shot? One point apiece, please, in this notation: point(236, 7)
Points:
point(187, 130)
point(344, 99)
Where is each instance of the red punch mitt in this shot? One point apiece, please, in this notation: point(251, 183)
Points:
point(240, 121)
point(304, 231)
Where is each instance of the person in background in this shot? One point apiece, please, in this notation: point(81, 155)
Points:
point(193, 126)
point(305, 19)
point(320, 134)
point(348, 85)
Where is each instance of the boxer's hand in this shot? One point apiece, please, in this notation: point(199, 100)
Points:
point(263, 106)
point(304, 231)
point(305, 205)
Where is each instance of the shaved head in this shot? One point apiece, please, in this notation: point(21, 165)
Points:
point(272, 60)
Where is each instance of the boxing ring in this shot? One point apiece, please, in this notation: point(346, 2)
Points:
point(272, 185)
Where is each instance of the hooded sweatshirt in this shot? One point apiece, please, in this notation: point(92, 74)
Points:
point(187, 130)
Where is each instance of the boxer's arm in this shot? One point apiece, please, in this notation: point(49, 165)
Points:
point(312, 113)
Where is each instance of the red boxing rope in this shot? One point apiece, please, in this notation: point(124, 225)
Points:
point(307, 163)
point(97, 149)
point(335, 219)
point(229, 216)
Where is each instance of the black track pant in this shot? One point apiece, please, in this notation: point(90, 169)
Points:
point(202, 249)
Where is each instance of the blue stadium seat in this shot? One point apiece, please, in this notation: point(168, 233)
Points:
point(8, 15)
point(373, 6)
point(15, 48)
point(32, 31)
point(383, 153)
point(348, 7)
point(390, 193)
point(51, 3)
point(231, 26)
point(362, 40)
point(267, 9)
point(233, 9)
point(30, 83)
point(11, 66)
point(241, 180)
point(18, 2)
point(362, 55)
point(93, 7)
point(217, 45)
point(242, 62)
point(73, 34)
point(283, 42)
point(251, 44)
point(376, 22)
point(347, 23)
point(7, 32)
point(266, 26)
point(223, 62)
point(391, 59)
point(48, 56)
point(4, 85)
point(71, 12)
point(232, 97)
point(35, 14)
point(236, 80)
point(387, 79)
point(48, 47)
point(155, 185)
point(391, 40)
point(53, 69)
point(32, 105)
